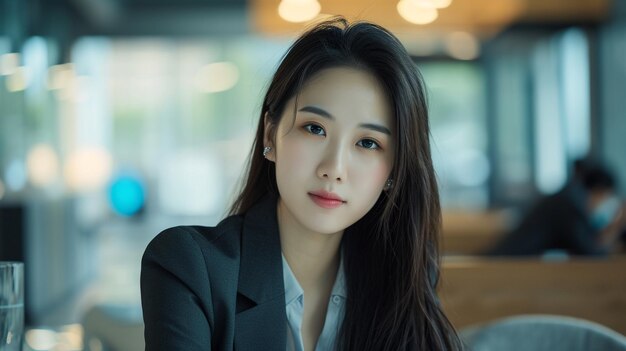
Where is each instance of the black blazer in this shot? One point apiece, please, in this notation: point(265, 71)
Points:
point(216, 288)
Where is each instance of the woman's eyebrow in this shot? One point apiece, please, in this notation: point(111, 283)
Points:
point(376, 127)
point(317, 111)
point(323, 113)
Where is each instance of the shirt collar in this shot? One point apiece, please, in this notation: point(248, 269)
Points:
point(293, 290)
point(292, 287)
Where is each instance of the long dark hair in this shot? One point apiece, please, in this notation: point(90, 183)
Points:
point(391, 257)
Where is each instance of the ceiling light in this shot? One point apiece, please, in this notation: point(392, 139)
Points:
point(299, 10)
point(441, 4)
point(414, 12)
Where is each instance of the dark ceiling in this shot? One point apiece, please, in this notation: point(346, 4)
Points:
point(67, 20)
point(73, 18)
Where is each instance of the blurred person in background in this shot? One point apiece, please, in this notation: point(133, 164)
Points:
point(585, 217)
point(332, 243)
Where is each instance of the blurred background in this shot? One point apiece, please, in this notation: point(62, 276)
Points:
point(120, 118)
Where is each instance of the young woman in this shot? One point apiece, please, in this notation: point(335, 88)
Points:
point(332, 243)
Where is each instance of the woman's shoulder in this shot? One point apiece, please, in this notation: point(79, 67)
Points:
point(193, 242)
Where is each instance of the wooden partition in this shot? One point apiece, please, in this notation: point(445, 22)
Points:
point(474, 290)
point(472, 233)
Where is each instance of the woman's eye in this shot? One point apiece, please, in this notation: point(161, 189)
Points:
point(368, 144)
point(314, 129)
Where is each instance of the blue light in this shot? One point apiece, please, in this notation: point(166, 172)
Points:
point(126, 195)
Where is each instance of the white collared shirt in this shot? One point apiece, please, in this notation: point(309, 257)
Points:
point(294, 303)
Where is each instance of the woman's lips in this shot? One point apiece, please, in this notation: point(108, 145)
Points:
point(325, 202)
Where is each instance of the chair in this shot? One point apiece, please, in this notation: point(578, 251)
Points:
point(542, 333)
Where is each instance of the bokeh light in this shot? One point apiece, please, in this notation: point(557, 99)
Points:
point(127, 195)
point(9, 63)
point(88, 169)
point(299, 10)
point(60, 76)
point(462, 46)
point(41, 339)
point(18, 81)
point(413, 11)
point(216, 77)
point(439, 4)
point(42, 164)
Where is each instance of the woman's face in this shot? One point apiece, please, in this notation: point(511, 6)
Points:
point(340, 144)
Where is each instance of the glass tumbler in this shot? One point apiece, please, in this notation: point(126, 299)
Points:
point(11, 305)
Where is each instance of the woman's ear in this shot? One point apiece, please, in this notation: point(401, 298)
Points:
point(269, 134)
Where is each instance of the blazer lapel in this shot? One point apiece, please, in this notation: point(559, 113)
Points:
point(262, 326)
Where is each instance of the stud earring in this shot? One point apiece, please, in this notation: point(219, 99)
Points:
point(388, 184)
point(266, 150)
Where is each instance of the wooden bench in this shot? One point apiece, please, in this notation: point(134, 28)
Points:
point(475, 290)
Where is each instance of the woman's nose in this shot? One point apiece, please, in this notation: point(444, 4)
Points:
point(333, 166)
